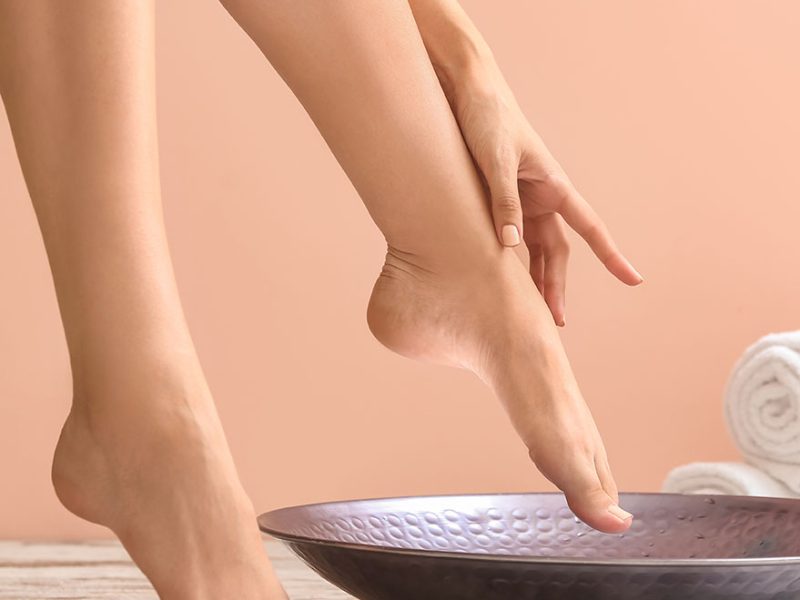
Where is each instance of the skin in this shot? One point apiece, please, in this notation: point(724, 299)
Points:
point(142, 450)
point(529, 190)
point(448, 293)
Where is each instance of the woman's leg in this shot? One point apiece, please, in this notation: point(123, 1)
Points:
point(142, 450)
point(448, 292)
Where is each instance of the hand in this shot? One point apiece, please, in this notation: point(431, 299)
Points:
point(531, 195)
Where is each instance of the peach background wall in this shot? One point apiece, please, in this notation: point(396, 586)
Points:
point(677, 120)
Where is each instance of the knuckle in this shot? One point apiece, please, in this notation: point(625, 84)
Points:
point(556, 180)
point(503, 155)
point(507, 202)
point(559, 186)
point(592, 232)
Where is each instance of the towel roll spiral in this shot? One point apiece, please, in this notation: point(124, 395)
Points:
point(762, 406)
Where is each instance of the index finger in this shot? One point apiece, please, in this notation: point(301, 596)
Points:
point(584, 220)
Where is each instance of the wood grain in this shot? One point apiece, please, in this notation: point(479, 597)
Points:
point(71, 571)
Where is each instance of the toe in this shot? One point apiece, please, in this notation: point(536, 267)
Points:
point(595, 507)
point(606, 478)
point(593, 501)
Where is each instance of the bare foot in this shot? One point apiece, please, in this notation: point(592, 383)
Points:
point(159, 474)
point(486, 315)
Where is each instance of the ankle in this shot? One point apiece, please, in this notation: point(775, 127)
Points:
point(112, 449)
point(148, 386)
point(464, 313)
point(137, 369)
point(436, 308)
point(448, 253)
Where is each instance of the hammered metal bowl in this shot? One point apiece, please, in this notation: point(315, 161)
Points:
point(531, 546)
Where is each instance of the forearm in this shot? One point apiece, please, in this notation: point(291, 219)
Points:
point(460, 56)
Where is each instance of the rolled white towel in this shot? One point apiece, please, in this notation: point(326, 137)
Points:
point(762, 406)
point(737, 479)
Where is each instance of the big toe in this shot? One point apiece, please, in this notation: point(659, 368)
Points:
point(591, 497)
point(599, 510)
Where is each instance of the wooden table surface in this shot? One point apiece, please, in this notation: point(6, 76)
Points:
point(104, 570)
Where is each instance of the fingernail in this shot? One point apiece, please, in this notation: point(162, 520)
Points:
point(622, 515)
point(510, 235)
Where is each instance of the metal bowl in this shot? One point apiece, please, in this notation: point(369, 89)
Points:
point(531, 546)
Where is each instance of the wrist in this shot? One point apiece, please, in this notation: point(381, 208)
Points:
point(463, 61)
point(474, 82)
point(457, 50)
point(467, 65)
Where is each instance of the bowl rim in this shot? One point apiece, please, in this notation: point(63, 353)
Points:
point(545, 560)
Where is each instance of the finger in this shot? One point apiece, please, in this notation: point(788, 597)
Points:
point(585, 221)
point(537, 266)
point(506, 207)
point(555, 249)
point(555, 281)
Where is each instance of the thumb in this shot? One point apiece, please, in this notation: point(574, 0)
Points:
point(506, 206)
